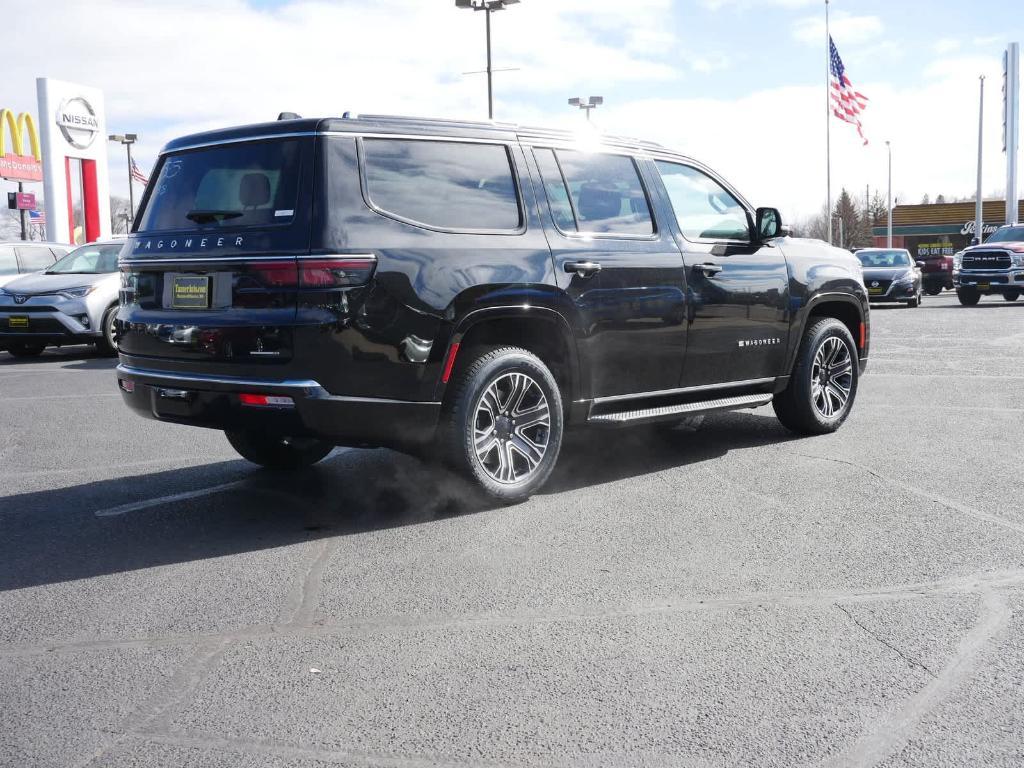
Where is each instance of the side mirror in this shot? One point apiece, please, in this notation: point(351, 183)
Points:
point(921, 263)
point(768, 224)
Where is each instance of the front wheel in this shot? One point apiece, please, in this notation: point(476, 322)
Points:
point(823, 384)
point(275, 452)
point(916, 301)
point(107, 345)
point(968, 296)
point(503, 424)
point(1011, 295)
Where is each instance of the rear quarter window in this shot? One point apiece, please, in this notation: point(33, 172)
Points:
point(445, 185)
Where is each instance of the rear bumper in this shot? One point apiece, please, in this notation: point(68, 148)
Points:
point(213, 401)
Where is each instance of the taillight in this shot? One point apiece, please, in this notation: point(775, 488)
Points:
point(314, 272)
point(266, 401)
point(335, 271)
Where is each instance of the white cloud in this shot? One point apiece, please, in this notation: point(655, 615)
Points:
point(844, 28)
point(946, 45)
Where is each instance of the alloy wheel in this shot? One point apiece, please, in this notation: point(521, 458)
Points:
point(511, 428)
point(831, 377)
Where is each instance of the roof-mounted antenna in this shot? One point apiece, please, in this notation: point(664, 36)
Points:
point(288, 116)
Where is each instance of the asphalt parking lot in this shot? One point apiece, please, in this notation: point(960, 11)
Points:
point(733, 596)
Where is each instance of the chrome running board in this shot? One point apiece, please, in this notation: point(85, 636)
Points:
point(622, 418)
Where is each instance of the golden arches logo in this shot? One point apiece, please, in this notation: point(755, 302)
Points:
point(16, 165)
point(17, 126)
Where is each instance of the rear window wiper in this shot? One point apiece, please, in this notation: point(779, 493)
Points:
point(205, 216)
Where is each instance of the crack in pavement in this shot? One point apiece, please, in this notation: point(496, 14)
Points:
point(970, 584)
point(920, 493)
point(892, 731)
point(911, 661)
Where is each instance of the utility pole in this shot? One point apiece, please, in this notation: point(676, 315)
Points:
point(979, 222)
point(128, 139)
point(21, 211)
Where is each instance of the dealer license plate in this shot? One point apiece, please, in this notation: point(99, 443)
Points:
point(17, 321)
point(190, 292)
point(983, 286)
point(874, 291)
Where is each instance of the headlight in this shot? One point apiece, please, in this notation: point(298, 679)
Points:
point(77, 293)
point(1017, 259)
point(958, 259)
point(906, 277)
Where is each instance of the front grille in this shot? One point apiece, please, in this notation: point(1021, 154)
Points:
point(35, 325)
point(986, 260)
point(877, 287)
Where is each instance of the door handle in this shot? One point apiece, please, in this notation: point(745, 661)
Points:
point(583, 268)
point(708, 270)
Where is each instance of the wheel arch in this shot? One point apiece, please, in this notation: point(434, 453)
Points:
point(542, 330)
point(846, 308)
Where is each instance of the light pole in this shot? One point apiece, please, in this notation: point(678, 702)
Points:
point(592, 103)
point(979, 218)
point(487, 6)
point(888, 216)
point(128, 139)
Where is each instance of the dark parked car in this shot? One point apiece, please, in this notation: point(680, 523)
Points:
point(890, 274)
point(994, 267)
point(936, 273)
point(468, 291)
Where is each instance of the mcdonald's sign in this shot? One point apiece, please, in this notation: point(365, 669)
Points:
point(17, 165)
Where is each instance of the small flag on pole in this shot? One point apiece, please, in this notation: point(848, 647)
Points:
point(37, 217)
point(137, 174)
point(847, 103)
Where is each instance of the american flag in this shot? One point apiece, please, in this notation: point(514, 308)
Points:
point(847, 103)
point(37, 217)
point(138, 175)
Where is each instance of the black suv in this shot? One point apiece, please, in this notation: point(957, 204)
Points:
point(467, 291)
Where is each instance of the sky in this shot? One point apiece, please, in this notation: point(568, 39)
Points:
point(738, 84)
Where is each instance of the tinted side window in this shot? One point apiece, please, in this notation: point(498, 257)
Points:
point(34, 259)
point(704, 209)
point(554, 185)
point(606, 193)
point(8, 264)
point(443, 184)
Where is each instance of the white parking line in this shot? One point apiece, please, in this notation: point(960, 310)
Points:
point(135, 506)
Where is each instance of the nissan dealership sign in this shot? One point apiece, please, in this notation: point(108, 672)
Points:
point(76, 179)
point(77, 122)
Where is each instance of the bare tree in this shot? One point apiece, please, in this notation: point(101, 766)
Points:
point(119, 215)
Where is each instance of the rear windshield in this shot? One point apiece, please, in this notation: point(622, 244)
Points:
point(884, 258)
point(229, 186)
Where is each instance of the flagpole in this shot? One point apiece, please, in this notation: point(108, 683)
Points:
point(828, 125)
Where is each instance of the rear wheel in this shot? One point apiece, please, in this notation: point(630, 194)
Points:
point(1011, 295)
point(107, 345)
point(26, 350)
point(968, 296)
point(823, 384)
point(275, 452)
point(503, 425)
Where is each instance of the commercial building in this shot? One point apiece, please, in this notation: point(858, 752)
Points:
point(940, 228)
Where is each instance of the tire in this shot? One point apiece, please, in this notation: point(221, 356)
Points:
point(480, 436)
point(1011, 295)
point(968, 296)
point(26, 350)
point(107, 345)
point(804, 406)
point(915, 302)
point(275, 452)
point(933, 290)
